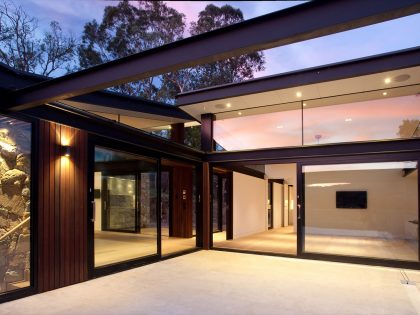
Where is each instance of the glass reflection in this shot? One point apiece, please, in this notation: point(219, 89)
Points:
point(125, 206)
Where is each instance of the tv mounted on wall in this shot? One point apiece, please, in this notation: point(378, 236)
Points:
point(351, 199)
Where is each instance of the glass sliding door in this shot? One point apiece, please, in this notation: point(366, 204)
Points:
point(362, 209)
point(125, 206)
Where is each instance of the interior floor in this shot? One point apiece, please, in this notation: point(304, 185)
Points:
point(283, 241)
point(280, 240)
point(114, 247)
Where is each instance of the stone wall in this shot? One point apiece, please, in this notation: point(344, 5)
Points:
point(14, 209)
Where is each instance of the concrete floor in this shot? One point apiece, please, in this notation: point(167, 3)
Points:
point(212, 282)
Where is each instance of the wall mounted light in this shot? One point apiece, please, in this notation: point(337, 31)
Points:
point(65, 150)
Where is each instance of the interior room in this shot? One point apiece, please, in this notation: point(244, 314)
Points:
point(362, 209)
point(126, 207)
point(263, 211)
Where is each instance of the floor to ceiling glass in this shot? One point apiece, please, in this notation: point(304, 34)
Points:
point(125, 206)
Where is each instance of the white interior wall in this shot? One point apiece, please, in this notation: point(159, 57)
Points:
point(277, 205)
point(249, 205)
point(288, 173)
point(98, 203)
point(391, 203)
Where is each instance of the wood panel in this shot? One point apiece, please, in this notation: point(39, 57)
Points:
point(206, 205)
point(62, 207)
point(182, 203)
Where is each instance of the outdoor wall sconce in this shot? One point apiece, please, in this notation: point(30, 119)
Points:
point(65, 150)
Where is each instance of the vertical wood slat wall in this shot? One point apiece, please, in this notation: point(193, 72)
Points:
point(62, 207)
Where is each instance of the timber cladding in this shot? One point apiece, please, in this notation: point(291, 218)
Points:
point(62, 207)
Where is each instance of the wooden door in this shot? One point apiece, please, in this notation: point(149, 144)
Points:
point(182, 202)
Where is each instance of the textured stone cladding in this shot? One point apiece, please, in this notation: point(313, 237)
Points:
point(14, 209)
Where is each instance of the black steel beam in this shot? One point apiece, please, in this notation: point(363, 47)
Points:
point(349, 69)
point(12, 79)
point(310, 20)
point(207, 139)
point(293, 154)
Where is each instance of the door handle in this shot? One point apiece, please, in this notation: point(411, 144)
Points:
point(94, 211)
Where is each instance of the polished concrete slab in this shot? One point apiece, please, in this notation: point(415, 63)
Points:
point(213, 282)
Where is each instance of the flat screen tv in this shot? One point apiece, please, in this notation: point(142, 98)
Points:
point(351, 199)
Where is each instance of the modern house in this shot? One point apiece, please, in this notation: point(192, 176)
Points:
point(320, 163)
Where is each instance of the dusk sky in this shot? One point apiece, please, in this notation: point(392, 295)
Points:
point(384, 37)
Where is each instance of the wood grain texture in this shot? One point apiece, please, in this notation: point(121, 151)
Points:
point(62, 207)
point(182, 204)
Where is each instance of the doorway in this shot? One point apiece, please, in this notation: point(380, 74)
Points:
point(262, 213)
point(178, 206)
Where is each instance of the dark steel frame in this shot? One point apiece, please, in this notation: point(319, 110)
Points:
point(387, 154)
point(395, 60)
point(93, 272)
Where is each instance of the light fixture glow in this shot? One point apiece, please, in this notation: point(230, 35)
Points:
point(239, 113)
point(348, 119)
point(298, 94)
point(387, 80)
point(304, 104)
point(65, 150)
point(228, 105)
point(385, 93)
point(323, 185)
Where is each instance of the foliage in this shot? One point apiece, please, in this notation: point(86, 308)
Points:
point(126, 29)
point(21, 48)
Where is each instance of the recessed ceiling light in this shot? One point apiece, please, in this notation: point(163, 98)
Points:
point(228, 105)
point(280, 127)
point(239, 113)
point(298, 94)
point(385, 93)
point(304, 104)
point(387, 80)
point(348, 119)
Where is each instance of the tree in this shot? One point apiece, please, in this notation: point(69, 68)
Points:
point(126, 29)
point(235, 69)
point(21, 49)
point(230, 70)
point(409, 128)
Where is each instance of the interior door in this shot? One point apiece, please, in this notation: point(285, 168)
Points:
point(119, 203)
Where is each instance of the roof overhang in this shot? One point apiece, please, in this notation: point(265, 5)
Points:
point(359, 75)
point(134, 111)
point(310, 20)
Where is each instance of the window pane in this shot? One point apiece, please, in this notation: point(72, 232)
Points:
point(377, 115)
point(364, 209)
point(264, 127)
point(15, 215)
point(125, 206)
